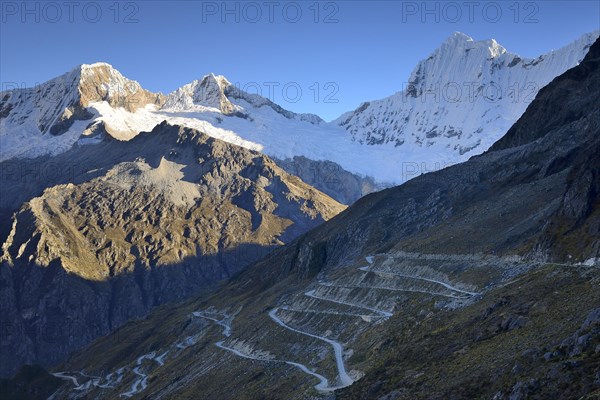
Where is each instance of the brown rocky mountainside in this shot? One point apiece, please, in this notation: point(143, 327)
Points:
point(158, 218)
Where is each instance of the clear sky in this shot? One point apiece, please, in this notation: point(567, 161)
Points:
point(352, 51)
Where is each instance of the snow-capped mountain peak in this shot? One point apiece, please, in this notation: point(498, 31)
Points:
point(216, 93)
point(458, 41)
point(102, 82)
point(98, 64)
point(49, 118)
point(459, 100)
point(207, 92)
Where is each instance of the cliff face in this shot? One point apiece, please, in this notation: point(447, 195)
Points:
point(168, 214)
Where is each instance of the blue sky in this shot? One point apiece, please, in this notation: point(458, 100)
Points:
point(352, 51)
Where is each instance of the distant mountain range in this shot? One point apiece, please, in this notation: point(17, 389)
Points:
point(455, 104)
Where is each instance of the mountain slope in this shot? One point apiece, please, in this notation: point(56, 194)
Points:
point(425, 290)
point(533, 339)
point(161, 217)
